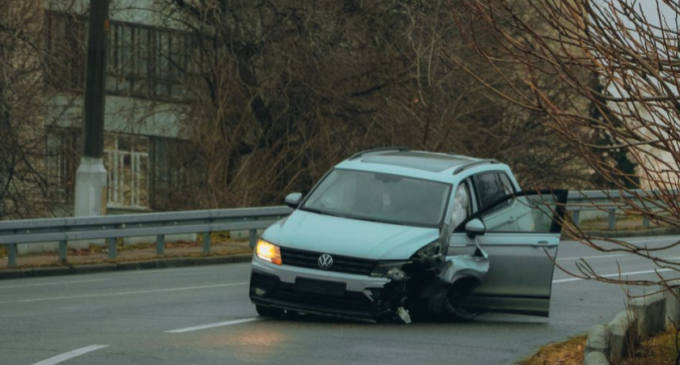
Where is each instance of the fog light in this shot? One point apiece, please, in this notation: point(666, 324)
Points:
point(260, 292)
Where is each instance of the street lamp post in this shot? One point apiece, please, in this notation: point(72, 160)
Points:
point(90, 197)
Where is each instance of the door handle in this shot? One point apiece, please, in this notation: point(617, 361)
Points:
point(544, 244)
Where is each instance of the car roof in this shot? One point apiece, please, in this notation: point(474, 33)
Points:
point(419, 164)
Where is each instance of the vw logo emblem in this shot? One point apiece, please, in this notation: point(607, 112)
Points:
point(325, 261)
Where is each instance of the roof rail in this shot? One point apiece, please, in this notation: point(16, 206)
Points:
point(382, 149)
point(466, 166)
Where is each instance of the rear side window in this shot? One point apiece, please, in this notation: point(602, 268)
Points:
point(491, 187)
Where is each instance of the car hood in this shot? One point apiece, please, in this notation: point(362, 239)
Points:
point(349, 237)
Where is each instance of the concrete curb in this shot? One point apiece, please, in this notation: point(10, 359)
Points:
point(621, 331)
point(123, 266)
point(646, 317)
point(597, 340)
point(596, 358)
point(651, 313)
point(672, 306)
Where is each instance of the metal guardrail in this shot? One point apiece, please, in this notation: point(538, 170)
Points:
point(110, 228)
point(579, 201)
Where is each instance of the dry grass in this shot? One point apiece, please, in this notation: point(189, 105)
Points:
point(94, 254)
point(659, 350)
point(569, 352)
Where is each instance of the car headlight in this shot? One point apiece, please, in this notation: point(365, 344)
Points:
point(432, 250)
point(391, 269)
point(431, 255)
point(268, 251)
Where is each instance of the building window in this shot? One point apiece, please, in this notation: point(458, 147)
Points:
point(62, 158)
point(65, 45)
point(143, 61)
point(126, 158)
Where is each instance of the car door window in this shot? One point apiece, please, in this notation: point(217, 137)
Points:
point(490, 188)
point(507, 185)
point(526, 213)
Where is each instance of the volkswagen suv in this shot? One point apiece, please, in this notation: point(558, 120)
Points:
point(392, 233)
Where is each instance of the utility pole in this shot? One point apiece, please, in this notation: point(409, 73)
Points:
point(91, 175)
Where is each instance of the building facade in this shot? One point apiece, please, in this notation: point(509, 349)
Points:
point(145, 101)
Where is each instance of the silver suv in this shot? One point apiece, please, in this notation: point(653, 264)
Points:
point(393, 233)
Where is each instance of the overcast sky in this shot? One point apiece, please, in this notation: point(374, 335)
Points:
point(650, 9)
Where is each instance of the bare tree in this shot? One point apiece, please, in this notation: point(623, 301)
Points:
point(21, 135)
point(625, 67)
point(285, 89)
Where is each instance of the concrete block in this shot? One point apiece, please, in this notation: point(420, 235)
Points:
point(650, 312)
point(672, 305)
point(597, 340)
point(621, 335)
point(595, 358)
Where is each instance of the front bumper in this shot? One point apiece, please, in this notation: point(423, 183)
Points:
point(274, 286)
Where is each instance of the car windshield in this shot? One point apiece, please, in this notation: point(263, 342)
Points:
point(380, 197)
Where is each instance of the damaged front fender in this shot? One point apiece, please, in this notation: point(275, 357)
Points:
point(438, 283)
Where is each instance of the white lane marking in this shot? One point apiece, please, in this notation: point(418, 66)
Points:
point(213, 325)
point(69, 355)
point(126, 293)
point(593, 257)
point(55, 283)
point(615, 275)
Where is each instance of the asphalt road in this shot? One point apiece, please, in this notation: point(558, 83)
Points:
point(203, 316)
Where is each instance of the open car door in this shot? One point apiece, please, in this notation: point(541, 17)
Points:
point(521, 237)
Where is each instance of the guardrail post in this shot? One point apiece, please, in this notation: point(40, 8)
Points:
point(112, 247)
point(575, 215)
point(12, 255)
point(63, 249)
point(206, 242)
point(612, 219)
point(252, 237)
point(160, 245)
point(645, 221)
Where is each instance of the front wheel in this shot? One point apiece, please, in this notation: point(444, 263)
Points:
point(268, 311)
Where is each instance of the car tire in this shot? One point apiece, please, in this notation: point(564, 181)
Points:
point(458, 314)
point(268, 311)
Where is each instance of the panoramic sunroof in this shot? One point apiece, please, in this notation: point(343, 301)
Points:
point(414, 160)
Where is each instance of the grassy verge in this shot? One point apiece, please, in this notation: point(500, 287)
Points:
point(569, 352)
point(659, 350)
point(96, 254)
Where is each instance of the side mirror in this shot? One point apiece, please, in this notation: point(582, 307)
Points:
point(475, 228)
point(293, 200)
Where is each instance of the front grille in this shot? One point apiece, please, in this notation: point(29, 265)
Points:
point(351, 301)
point(309, 259)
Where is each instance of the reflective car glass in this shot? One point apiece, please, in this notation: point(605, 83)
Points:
point(380, 197)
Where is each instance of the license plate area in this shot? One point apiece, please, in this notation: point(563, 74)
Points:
point(322, 287)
